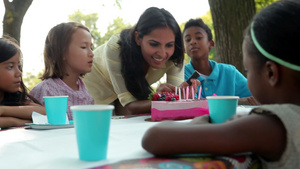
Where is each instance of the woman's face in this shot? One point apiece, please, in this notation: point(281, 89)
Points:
point(157, 47)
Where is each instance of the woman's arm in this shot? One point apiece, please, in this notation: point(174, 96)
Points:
point(144, 106)
point(139, 107)
point(266, 138)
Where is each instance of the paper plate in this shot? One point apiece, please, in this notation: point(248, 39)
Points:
point(48, 126)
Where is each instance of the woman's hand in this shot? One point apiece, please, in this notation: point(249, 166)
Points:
point(166, 87)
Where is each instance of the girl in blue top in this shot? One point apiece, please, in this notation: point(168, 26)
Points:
point(216, 78)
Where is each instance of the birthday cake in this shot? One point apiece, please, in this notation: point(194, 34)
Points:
point(168, 106)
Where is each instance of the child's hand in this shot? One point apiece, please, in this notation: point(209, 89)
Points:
point(201, 120)
point(248, 101)
point(195, 84)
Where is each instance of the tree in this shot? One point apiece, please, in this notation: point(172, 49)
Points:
point(90, 21)
point(261, 4)
point(230, 18)
point(31, 79)
point(13, 18)
point(116, 27)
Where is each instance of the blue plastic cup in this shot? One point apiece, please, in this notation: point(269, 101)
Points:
point(92, 123)
point(222, 108)
point(56, 109)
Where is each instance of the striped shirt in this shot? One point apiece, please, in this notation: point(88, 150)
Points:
point(56, 87)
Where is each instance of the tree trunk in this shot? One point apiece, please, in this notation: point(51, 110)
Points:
point(13, 17)
point(230, 19)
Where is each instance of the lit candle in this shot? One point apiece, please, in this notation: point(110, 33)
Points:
point(175, 89)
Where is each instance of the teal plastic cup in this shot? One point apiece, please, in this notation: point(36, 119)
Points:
point(56, 109)
point(222, 108)
point(92, 123)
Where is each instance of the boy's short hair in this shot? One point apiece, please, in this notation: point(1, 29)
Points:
point(199, 23)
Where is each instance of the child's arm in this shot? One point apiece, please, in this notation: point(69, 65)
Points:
point(261, 134)
point(248, 101)
point(22, 112)
point(6, 122)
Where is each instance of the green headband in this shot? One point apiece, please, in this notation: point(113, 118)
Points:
point(270, 56)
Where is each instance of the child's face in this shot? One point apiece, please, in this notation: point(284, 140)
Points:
point(196, 43)
point(10, 75)
point(79, 57)
point(157, 47)
point(256, 82)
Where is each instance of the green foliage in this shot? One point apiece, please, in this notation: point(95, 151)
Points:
point(89, 21)
point(207, 19)
point(30, 80)
point(150, 96)
point(261, 4)
point(116, 27)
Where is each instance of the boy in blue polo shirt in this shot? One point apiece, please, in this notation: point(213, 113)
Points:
point(218, 78)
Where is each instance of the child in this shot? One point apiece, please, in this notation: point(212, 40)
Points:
point(16, 105)
point(272, 131)
point(218, 78)
point(68, 56)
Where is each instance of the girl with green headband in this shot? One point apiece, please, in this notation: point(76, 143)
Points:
point(272, 132)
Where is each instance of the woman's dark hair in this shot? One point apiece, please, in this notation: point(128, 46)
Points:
point(277, 30)
point(56, 45)
point(131, 55)
point(8, 49)
point(199, 23)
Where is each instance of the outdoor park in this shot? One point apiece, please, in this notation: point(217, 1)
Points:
point(226, 19)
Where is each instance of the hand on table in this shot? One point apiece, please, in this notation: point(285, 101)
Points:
point(248, 101)
point(201, 120)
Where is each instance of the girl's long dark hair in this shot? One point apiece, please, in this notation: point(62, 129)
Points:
point(8, 49)
point(131, 55)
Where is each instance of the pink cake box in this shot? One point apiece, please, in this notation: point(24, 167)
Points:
point(178, 110)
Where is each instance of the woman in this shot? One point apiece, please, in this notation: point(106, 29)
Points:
point(126, 66)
